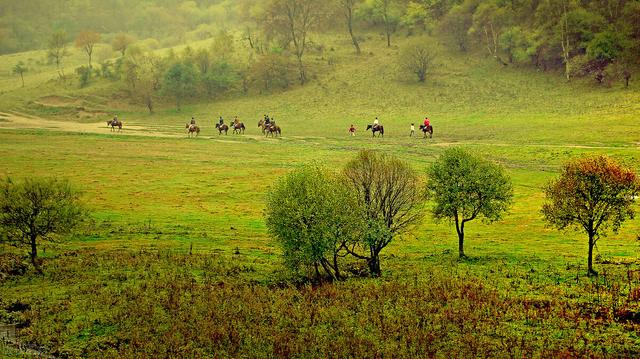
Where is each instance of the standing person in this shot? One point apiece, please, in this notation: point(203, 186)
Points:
point(413, 130)
point(352, 130)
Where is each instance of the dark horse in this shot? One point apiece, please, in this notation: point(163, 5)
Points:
point(273, 130)
point(376, 128)
point(222, 128)
point(192, 130)
point(427, 129)
point(238, 128)
point(115, 123)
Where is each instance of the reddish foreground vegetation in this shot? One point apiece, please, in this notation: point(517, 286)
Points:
point(165, 304)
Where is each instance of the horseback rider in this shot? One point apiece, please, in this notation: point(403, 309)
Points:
point(236, 122)
point(192, 123)
point(114, 122)
point(376, 123)
point(427, 123)
point(221, 121)
point(267, 120)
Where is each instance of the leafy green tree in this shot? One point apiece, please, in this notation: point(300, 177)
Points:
point(219, 78)
point(180, 82)
point(513, 41)
point(38, 210)
point(606, 46)
point(465, 187)
point(223, 46)
point(388, 190)
point(593, 194)
point(417, 58)
point(87, 40)
point(144, 74)
point(20, 69)
point(57, 50)
point(313, 216)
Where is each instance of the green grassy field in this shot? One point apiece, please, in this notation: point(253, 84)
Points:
point(153, 190)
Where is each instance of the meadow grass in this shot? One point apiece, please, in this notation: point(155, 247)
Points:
point(157, 198)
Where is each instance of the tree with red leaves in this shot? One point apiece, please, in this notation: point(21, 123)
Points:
point(594, 194)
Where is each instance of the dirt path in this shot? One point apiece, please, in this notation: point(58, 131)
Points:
point(16, 121)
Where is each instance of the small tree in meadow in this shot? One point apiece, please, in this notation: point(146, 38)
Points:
point(391, 196)
point(37, 210)
point(465, 187)
point(593, 194)
point(417, 58)
point(313, 216)
point(20, 69)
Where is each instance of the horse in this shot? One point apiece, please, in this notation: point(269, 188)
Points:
point(192, 130)
point(238, 128)
point(262, 125)
point(272, 130)
point(115, 123)
point(426, 129)
point(376, 128)
point(222, 128)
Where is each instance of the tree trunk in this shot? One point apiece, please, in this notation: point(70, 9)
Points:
point(22, 77)
point(34, 254)
point(590, 270)
point(374, 265)
point(353, 38)
point(303, 76)
point(460, 230)
point(388, 38)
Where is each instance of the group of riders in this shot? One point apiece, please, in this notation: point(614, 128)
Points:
point(268, 125)
point(425, 127)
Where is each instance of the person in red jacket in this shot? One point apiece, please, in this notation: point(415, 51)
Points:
point(427, 123)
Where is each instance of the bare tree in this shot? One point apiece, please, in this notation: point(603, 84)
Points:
point(57, 50)
point(293, 19)
point(417, 58)
point(86, 40)
point(348, 6)
point(388, 190)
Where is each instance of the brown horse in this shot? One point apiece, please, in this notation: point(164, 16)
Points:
point(238, 128)
point(262, 125)
point(427, 129)
point(222, 128)
point(376, 128)
point(115, 123)
point(273, 130)
point(192, 130)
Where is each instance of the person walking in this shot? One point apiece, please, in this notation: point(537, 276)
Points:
point(352, 130)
